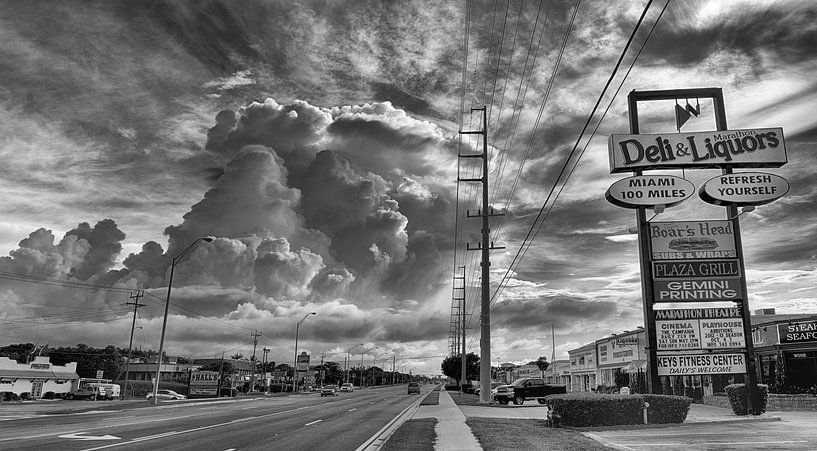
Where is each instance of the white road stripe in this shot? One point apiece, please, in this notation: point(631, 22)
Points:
point(310, 424)
point(352, 409)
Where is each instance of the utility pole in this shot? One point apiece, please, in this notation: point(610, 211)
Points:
point(323, 355)
point(393, 362)
point(461, 328)
point(136, 305)
point(486, 246)
point(255, 334)
point(264, 369)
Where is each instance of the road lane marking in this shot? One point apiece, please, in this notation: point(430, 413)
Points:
point(79, 436)
point(350, 410)
point(310, 424)
point(142, 439)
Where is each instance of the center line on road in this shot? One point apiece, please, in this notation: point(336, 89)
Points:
point(310, 424)
point(352, 409)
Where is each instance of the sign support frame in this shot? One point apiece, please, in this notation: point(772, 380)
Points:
point(644, 246)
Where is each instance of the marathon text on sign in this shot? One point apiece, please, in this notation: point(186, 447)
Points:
point(753, 148)
point(675, 269)
point(692, 240)
point(697, 290)
point(689, 364)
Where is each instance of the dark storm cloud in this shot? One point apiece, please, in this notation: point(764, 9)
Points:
point(787, 34)
point(422, 272)
point(105, 245)
point(524, 313)
point(152, 260)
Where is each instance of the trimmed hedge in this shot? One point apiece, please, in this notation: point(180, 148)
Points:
point(595, 409)
point(738, 395)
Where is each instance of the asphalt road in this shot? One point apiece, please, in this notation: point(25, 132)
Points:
point(299, 422)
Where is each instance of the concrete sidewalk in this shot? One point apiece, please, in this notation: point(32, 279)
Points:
point(452, 432)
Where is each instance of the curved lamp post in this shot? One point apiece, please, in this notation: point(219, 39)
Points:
point(295, 366)
point(349, 360)
point(175, 260)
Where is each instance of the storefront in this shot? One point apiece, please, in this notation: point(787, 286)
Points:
point(558, 373)
point(37, 379)
point(786, 350)
point(583, 368)
point(616, 353)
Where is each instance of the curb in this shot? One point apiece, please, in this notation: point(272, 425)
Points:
point(380, 437)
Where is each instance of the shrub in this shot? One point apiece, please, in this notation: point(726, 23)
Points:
point(25, 396)
point(7, 396)
point(593, 409)
point(278, 387)
point(48, 395)
point(739, 398)
point(451, 387)
point(140, 389)
point(666, 408)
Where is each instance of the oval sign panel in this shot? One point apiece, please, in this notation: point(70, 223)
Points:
point(649, 191)
point(744, 189)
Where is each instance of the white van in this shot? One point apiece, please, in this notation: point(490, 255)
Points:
point(95, 390)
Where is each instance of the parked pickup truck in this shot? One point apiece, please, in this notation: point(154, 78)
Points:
point(527, 388)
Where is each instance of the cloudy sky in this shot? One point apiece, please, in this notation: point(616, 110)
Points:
point(317, 142)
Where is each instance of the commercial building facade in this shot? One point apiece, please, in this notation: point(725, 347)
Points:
point(38, 378)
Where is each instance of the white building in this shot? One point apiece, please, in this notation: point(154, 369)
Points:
point(36, 379)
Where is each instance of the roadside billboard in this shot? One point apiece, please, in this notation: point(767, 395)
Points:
point(203, 384)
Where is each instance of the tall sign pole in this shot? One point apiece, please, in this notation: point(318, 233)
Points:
point(486, 246)
point(695, 261)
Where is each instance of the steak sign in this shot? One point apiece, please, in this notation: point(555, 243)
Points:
point(752, 148)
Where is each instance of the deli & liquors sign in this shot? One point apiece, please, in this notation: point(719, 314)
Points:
point(752, 148)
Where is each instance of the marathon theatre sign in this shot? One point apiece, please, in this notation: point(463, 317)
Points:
point(699, 329)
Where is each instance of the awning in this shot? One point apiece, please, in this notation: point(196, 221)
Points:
point(635, 365)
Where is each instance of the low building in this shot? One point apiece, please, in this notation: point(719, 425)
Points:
point(786, 349)
point(37, 379)
point(616, 354)
point(558, 373)
point(171, 371)
point(583, 368)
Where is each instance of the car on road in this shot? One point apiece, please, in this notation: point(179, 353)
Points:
point(328, 391)
point(166, 394)
point(494, 385)
point(348, 387)
point(413, 387)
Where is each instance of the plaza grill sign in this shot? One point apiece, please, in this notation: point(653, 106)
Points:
point(744, 189)
point(751, 148)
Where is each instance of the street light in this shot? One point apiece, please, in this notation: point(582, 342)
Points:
point(361, 363)
point(374, 364)
point(175, 260)
point(295, 366)
point(349, 360)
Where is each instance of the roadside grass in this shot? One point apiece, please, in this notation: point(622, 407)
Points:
point(466, 399)
point(431, 399)
point(413, 435)
point(513, 434)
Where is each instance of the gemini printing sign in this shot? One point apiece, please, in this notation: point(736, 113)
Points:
point(752, 148)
